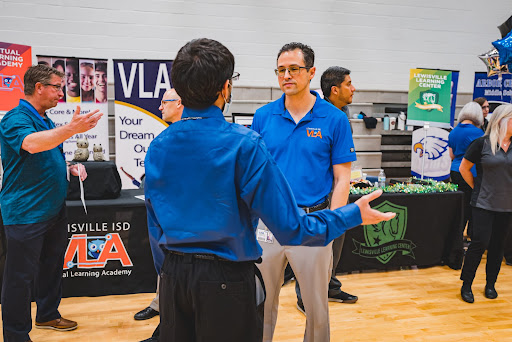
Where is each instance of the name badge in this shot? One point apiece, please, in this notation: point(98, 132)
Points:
point(264, 236)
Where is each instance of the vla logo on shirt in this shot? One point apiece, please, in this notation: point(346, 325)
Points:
point(314, 132)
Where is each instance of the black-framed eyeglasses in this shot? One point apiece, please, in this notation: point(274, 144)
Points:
point(236, 76)
point(57, 87)
point(171, 100)
point(292, 70)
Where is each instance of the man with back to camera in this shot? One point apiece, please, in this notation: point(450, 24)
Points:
point(337, 88)
point(32, 199)
point(171, 109)
point(201, 227)
point(312, 144)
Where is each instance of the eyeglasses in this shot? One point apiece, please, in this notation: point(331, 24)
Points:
point(236, 76)
point(57, 87)
point(292, 70)
point(171, 100)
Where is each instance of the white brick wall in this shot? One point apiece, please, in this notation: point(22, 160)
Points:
point(379, 40)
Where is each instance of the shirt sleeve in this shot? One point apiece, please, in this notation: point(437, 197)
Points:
point(266, 192)
point(474, 151)
point(343, 150)
point(256, 125)
point(155, 233)
point(15, 128)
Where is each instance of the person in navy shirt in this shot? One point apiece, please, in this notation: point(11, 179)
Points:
point(470, 120)
point(207, 181)
point(33, 197)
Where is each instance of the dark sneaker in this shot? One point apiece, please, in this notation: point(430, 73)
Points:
point(300, 307)
point(147, 313)
point(59, 324)
point(343, 297)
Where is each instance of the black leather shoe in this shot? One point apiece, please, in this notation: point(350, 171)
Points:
point(147, 313)
point(467, 296)
point(343, 297)
point(300, 307)
point(490, 292)
point(151, 339)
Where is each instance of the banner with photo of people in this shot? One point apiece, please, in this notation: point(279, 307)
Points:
point(84, 85)
point(139, 86)
point(15, 59)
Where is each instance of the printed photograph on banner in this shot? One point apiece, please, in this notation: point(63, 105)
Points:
point(15, 59)
point(430, 156)
point(78, 86)
point(139, 87)
point(429, 98)
point(100, 81)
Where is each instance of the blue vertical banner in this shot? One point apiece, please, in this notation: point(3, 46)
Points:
point(139, 87)
point(493, 88)
point(455, 85)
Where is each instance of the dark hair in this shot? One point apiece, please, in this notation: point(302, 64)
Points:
point(199, 72)
point(59, 62)
point(38, 73)
point(101, 66)
point(480, 100)
point(333, 76)
point(307, 51)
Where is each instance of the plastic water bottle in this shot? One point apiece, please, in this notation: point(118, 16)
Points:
point(381, 179)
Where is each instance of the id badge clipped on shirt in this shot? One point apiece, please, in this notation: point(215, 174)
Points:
point(264, 235)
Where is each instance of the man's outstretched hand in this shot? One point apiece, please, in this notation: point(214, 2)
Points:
point(369, 215)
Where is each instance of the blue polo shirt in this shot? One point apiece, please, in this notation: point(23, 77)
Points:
point(459, 140)
point(306, 151)
point(207, 180)
point(34, 186)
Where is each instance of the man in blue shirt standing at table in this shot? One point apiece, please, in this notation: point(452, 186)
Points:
point(311, 142)
point(33, 204)
point(207, 180)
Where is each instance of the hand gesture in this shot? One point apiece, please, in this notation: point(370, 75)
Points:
point(83, 122)
point(369, 215)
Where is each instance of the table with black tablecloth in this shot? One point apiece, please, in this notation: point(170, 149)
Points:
point(117, 228)
point(427, 231)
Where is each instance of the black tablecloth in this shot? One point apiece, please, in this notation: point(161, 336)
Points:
point(103, 181)
point(427, 231)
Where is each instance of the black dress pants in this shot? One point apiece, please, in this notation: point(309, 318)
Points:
point(456, 178)
point(489, 230)
point(33, 268)
point(209, 300)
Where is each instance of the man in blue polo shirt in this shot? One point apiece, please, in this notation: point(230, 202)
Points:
point(206, 182)
point(312, 144)
point(32, 199)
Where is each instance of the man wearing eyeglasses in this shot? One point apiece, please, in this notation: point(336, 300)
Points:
point(206, 182)
point(32, 199)
point(312, 144)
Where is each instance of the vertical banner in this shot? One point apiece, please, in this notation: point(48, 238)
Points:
point(139, 85)
point(430, 156)
point(84, 85)
point(14, 61)
point(455, 85)
point(493, 88)
point(429, 97)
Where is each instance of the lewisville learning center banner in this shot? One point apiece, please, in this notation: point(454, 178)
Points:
point(84, 85)
point(139, 86)
point(429, 98)
point(14, 62)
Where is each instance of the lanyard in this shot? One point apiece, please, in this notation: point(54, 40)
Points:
point(193, 118)
point(47, 124)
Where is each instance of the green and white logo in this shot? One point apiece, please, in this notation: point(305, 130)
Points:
point(384, 239)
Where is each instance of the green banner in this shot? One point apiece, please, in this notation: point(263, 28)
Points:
point(429, 97)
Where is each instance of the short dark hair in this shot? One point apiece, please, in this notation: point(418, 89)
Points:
point(59, 62)
point(480, 100)
point(199, 72)
point(38, 73)
point(101, 66)
point(307, 51)
point(333, 76)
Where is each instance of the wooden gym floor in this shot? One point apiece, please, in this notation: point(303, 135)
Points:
point(404, 305)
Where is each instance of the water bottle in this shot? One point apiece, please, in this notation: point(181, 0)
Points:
point(385, 123)
point(381, 179)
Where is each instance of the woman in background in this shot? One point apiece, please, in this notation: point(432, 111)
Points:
point(491, 201)
point(470, 120)
point(482, 101)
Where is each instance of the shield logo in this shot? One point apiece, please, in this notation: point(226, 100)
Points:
point(387, 231)
point(429, 97)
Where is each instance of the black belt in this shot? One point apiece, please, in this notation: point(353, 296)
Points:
point(317, 207)
point(207, 257)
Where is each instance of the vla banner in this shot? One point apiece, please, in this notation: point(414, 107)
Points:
point(15, 59)
point(430, 156)
point(84, 85)
point(493, 88)
point(429, 98)
point(139, 85)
